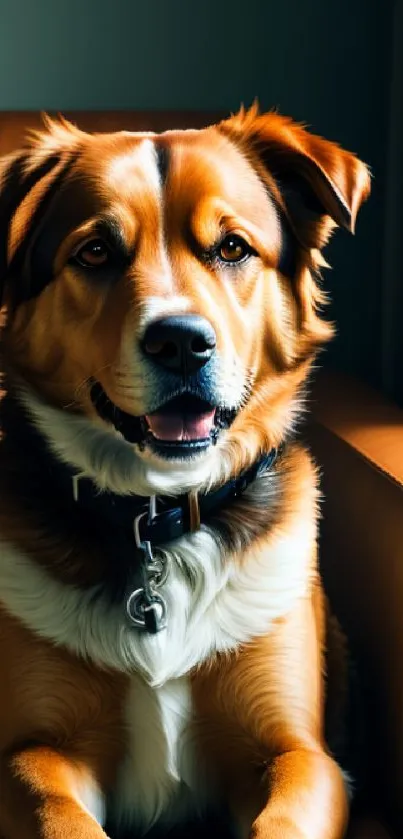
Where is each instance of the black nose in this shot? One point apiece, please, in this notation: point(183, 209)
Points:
point(181, 343)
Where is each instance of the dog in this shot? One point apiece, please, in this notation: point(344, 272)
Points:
point(164, 633)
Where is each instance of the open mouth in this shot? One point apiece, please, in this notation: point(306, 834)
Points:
point(185, 425)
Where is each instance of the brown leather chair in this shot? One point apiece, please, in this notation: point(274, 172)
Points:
point(355, 437)
point(357, 440)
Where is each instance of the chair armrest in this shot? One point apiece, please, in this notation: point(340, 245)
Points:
point(357, 439)
point(367, 828)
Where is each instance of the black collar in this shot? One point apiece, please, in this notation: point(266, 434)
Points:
point(172, 517)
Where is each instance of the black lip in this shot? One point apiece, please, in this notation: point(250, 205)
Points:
point(135, 429)
point(175, 451)
point(131, 428)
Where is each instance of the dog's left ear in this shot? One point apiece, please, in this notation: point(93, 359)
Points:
point(317, 184)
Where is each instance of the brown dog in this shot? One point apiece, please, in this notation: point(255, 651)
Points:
point(162, 622)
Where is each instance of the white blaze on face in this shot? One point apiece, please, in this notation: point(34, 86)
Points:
point(135, 170)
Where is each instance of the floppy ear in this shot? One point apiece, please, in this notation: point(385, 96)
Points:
point(29, 179)
point(316, 183)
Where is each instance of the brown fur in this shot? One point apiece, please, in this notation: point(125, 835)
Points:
point(260, 711)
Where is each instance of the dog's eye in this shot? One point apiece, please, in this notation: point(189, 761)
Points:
point(233, 249)
point(93, 254)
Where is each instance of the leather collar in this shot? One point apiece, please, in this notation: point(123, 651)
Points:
point(146, 607)
point(171, 518)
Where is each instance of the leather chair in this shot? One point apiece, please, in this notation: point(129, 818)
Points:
point(356, 438)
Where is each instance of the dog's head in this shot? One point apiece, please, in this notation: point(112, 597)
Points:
point(162, 292)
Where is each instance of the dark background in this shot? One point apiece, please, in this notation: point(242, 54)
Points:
point(326, 62)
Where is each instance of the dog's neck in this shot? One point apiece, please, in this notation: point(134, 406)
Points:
point(155, 522)
point(141, 524)
point(158, 520)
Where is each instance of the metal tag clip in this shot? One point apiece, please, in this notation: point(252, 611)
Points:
point(145, 607)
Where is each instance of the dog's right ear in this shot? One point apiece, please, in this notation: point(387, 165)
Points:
point(29, 179)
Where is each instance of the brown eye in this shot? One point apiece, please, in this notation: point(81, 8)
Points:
point(233, 249)
point(93, 254)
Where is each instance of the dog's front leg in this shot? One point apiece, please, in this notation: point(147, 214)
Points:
point(40, 797)
point(307, 798)
point(275, 690)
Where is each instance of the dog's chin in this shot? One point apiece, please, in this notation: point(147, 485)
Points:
point(184, 428)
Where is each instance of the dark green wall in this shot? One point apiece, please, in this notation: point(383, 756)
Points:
point(322, 61)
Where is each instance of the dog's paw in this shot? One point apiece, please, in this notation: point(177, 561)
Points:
point(266, 827)
point(72, 822)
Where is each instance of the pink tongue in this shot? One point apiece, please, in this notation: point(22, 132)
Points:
point(176, 427)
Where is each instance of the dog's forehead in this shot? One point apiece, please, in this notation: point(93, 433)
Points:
point(195, 162)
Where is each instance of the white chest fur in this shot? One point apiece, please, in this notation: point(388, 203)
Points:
point(161, 777)
point(211, 605)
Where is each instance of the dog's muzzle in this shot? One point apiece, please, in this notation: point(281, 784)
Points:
point(187, 419)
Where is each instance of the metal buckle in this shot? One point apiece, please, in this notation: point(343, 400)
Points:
point(75, 481)
point(145, 607)
point(150, 515)
point(136, 527)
